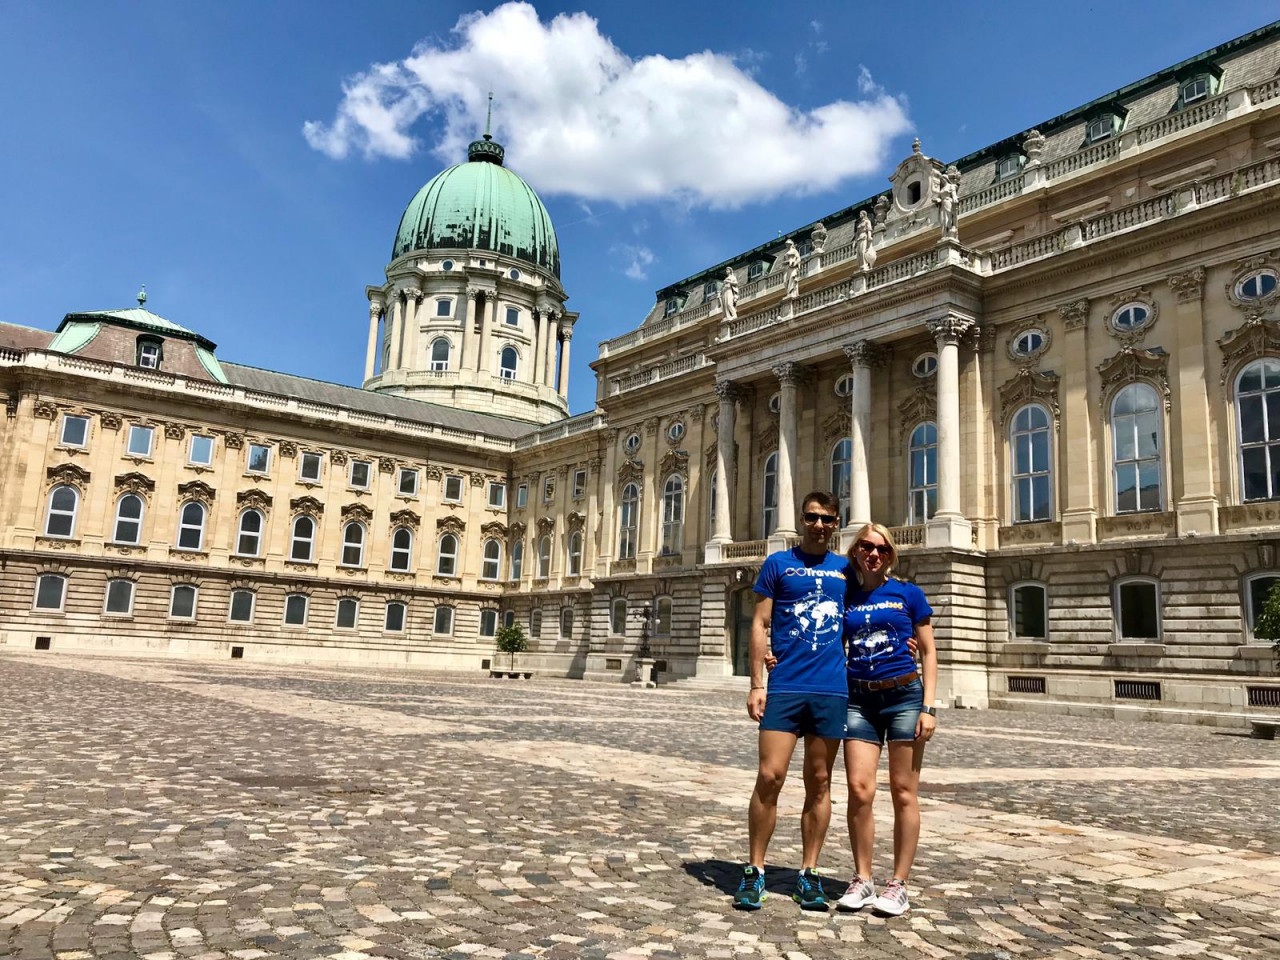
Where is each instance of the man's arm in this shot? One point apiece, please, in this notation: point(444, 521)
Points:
point(759, 648)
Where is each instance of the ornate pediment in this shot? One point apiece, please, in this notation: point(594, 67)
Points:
point(1074, 314)
point(576, 521)
point(546, 525)
point(234, 441)
point(675, 461)
point(196, 490)
point(255, 499)
point(451, 524)
point(110, 420)
point(1134, 363)
point(838, 424)
point(494, 528)
point(175, 431)
point(478, 479)
point(517, 530)
point(288, 449)
point(134, 482)
point(919, 406)
point(1255, 338)
point(309, 505)
point(68, 473)
point(338, 458)
point(405, 518)
point(767, 438)
point(434, 472)
point(1029, 386)
point(45, 410)
point(630, 470)
point(387, 464)
point(709, 456)
point(357, 511)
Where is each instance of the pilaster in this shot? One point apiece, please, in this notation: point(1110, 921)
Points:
point(1197, 504)
point(1076, 489)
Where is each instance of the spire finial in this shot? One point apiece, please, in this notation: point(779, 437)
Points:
point(142, 295)
point(488, 117)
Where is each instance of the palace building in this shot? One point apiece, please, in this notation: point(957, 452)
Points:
point(1051, 366)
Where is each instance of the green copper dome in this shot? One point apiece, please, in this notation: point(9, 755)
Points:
point(480, 205)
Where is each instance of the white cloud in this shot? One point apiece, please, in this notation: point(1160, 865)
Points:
point(580, 118)
point(638, 260)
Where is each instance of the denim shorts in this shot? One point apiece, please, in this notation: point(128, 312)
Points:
point(820, 714)
point(877, 714)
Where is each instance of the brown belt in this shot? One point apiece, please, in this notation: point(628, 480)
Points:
point(874, 685)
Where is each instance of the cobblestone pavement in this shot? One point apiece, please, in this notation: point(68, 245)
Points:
point(163, 809)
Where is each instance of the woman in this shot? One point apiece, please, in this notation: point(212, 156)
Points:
point(887, 700)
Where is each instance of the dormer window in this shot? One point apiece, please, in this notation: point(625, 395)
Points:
point(1101, 127)
point(150, 353)
point(755, 271)
point(709, 291)
point(913, 192)
point(805, 247)
point(1197, 88)
point(670, 309)
point(1009, 166)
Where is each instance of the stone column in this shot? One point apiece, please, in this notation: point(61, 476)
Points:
point(469, 350)
point(566, 334)
point(722, 529)
point(549, 367)
point(484, 360)
point(397, 331)
point(539, 344)
point(1197, 505)
point(948, 528)
point(607, 527)
point(744, 474)
point(788, 375)
point(371, 356)
point(1076, 488)
point(650, 500)
point(409, 341)
point(864, 356)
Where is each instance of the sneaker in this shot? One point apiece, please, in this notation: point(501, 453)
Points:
point(893, 902)
point(809, 892)
point(750, 893)
point(860, 893)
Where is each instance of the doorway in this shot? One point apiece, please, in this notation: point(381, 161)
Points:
point(743, 609)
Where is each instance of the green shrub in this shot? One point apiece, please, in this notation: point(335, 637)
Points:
point(1268, 624)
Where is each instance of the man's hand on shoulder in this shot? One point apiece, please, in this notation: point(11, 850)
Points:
point(755, 703)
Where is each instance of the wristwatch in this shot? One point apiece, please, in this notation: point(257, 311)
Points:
point(931, 711)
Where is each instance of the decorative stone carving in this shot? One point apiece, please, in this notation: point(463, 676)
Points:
point(651, 426)
point(1134, 363)
point(434, 472)
point(675, 461)
point(387, 464)
point(787, 372)
point(865, 353)
point(1255, 338)
point(46, 410)
point(110, 420)
point(308, 505)
point(1243, 269)
point(1033, 145)
point(697, 411)
point(838, 424)
point(594, 465)
point(196, 490)
point(175, 431)
point(949, 328)
point(478, 479)
point(356, 511)
point(68, 473)
point(405, 518)
point(338, 458)
point(791, 268)
point(863, 237)
point(767, 438)
point(1074, 314)
point(253, 499)
point(1188, 287)
point(1029, 386)
point(727, 390)
point(1138, 295)
point(918, 407)
point(494, 528)
point(566, 333)
point(1026, 326)
point(630, 471)
point(729, 295)
point(133, 482)
point(948, 201)
point(546, 525)
point(819, 238)
point(375, 310)
point(576, 521)
point(517, 530)
point(234, 441)
point(880, 210)
point(709, 456)
point(451, 524)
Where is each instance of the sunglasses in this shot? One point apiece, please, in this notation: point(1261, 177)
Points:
point(866, 546)
point(826, 518)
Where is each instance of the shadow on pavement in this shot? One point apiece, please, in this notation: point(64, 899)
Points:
point(725, 875)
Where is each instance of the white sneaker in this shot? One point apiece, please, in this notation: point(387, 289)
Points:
point(893, 902)
point(860, 893)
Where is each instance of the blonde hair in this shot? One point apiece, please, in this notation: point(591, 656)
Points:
point(884, 533)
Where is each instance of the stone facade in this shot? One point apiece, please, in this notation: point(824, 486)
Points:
point(1045, 366)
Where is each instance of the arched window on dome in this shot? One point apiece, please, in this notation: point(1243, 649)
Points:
point(440, 354)
point(507, 364)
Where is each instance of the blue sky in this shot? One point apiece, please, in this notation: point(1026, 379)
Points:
point(163, 143)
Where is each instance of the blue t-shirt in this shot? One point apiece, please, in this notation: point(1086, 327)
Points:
point(877, 626)
point(808, 594)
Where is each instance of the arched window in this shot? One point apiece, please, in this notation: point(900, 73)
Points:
point(1029, 611)
point(662, 617)
point(182, 601)
point(64, 502)
point(1029, 443)
point(842, 477)
point(491, 567)
point(51, 591)
point(508, 618)
point(1136, 448)
point(673, 515)
point(443, 623)
point(249, 537)
point(128, 519)
point(711, 508)
point(618, 616)
point(348, 613)
point(628, 517)
point(394, 620)
point(303, 540)
point(517, 560)
point(575, 554)
point(1136, 604)
point(544, 557)
point(1258, 429)
point(769, 517)
point(447, 558)
point(488, 622)
point(440, 354)
point(295, 609)
point(566, 623)
point(119, 597)
point(401, 549)
point(353, 544)
point(241, 607)
point(191, 526)
point(507, 365)
point(535, 622)
point(922, 482)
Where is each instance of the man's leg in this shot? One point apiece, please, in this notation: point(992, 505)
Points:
point(819, 758)
point(776, 748)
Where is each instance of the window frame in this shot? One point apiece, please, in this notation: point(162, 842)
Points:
point(1016, 586)
point(841, 465)
point(351, 603)
point(769, 496)
point(400, 559)
point(117, 519)
point(452, 478)
point(1028, 478)
point(183, 525)
point(143, 344)
point(368, 474)
point(1130, 308)
point(495, 560)
point(1247, 601)
point(442, 556)
point(248, 459)
point(68, 418)
point(917, 490)
point(348, 544)
point(544, 557)
point(1265, 444)
point(566, 631)
point(579, 484)
point(1257, 276)
point(509, 313)
point(50, 512)
point(257, 536)
point(140, 429)
point(191, 450)
point(628, 520)
point(488, 615)
point(231, 604)
point(500, 501)
point(673, 511)
point(535, 623)
point(616, 604)
point(522, 496)
point(173, 599)
point(1157, 411)
point(435, 620)
point(403, 609)
point(548, 488)
point(444, 307)
point(411, 472)
point(308, 456)
point(106, 597)
point(516, 563)
point(509, 372)
point(306, 609)
point(1117, 608)
point(661, 629)
point(573, 565)
point(309, 540)
point(1016, 159)
point(435, 363)
point(41, 578)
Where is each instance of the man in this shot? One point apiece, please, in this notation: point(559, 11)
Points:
point(798, 621)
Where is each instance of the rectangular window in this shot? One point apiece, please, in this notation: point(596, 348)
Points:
point(241, 606)
point(348, 611)
point(566, 623)
point(201, 450)
point(522, 496)
point(548, 489)
point(259, 458)
point(1138, 616)
point(182, 602)
point(395, 617)
point(1029, 612)
point(579, 484)
point(75, 431)
point(119, 598)
point(408, 482)
point(309, 468)
point(497, 495)
point(295, 609)
point(444, 308)
point(50, 588)
point(453, 489)
point(488, 623)
point(140, 439)
point(513, 317)
point(360, 473)
point(443, 620)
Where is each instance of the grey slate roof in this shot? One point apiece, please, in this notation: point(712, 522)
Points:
point(18, 337)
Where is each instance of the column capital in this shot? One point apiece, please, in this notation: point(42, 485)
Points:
point(651, 426)
point(727, 390)
point(866, 353)
point(566, 333)
point(788, 372)
point(376, 309)
point(949, 329)
point(1188, 286)
point(379, 299)
point(1074, 314)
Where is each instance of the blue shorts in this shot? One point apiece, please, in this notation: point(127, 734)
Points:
point(820, 714)
point(877, 714)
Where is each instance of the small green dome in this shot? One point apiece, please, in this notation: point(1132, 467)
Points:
point(480, 205)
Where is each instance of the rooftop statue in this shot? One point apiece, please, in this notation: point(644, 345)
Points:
point(862, 242)
point(791, 262)
point(729, 295)
point(948, 202)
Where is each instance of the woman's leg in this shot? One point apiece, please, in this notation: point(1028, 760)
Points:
point(905, 758)
point(861, 758)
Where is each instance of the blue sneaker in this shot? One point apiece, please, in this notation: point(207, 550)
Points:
point(750, 893)
point(809, 892)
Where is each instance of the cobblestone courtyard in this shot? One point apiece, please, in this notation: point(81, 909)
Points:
point(173, 809)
